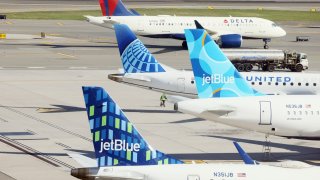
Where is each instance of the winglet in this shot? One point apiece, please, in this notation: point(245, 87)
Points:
point(198, 25)
point(116, 141)
point(135, 57)
point(244, 156)
point(215, 75)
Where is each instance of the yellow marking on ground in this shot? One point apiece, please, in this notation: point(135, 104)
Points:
point(60, 24)
point(8, 22)
point(54, 34)
point(217, 90)
point(194, 161)
point(67, 55)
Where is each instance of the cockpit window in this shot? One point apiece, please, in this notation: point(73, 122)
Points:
point(274, 25)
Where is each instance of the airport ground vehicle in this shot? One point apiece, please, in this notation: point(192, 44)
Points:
point(267, 60)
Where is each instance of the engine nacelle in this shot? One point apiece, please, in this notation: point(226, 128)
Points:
point(230, 41)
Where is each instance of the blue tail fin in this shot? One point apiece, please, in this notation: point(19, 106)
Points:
point(114, 8)
point(134, 55)
point(215, 75)
point(116, 141)
point(244, 156)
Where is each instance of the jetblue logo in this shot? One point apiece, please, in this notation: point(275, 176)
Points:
point(217, 79)
point(118, 145)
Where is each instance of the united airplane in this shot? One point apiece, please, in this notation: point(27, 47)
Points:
point(226, 97)
point(122, 153)
point(143, 70)
point(228, 31)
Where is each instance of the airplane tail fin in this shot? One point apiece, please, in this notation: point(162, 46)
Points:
point(215, 75)
point(114, 8)
point(116, 141)
point(134, 55)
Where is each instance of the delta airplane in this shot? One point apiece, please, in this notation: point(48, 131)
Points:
point(122, 153)
point(225, 97)
point(228, 31)
point(143, 70)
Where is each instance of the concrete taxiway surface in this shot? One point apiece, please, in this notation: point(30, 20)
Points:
point(42, 115)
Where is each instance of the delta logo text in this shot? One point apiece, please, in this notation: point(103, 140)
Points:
point(217, 79)
point(119, 145)
point(239, 21)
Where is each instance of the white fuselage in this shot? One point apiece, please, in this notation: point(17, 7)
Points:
point(182, 82)
point(209, 172)
point(165, 26)
point(290, 116)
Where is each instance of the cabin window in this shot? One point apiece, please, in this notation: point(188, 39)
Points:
point(260, 83)
point(307, 84)
point(269, 83)
point(284, 83)
point(299, 84)
point(288, 113)
point(252, 83)
point(291, 84)
point(276, 83)
point(306, 112)
point(300, 112)
point(192, 82)
point(314, 84)
point(311, 112)
point(294, 112)
point(318, 113)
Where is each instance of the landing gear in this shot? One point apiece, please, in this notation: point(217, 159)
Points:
point(267, 148)
point(184, 45)
point(266, 43)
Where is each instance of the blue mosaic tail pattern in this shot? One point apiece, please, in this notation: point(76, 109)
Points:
point(116, 141)
point(134, 55)
point(215, 75)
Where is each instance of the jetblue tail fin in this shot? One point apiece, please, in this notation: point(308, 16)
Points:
point(215, 75)
point(116, 141)
point(114, 8)
point(244, 156)
point(134, 55)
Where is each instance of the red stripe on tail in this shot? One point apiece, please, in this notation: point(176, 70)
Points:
point(103, 7)
point(112, 6)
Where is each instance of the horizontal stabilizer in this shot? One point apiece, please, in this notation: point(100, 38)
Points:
point(220, 111)
point(84, 161)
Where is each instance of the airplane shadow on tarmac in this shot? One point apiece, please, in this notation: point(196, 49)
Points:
point(306, 154)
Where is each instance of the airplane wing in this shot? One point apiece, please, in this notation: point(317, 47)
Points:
point(244, 156)
point(199, 26)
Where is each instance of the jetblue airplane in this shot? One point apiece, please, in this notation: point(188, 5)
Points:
point(143, 70)
point(228, 31)
point(122, 153)
point(226, 97)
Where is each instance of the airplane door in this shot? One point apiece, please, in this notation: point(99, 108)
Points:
point(181, 85)
point(193, 177)
point(265, 113)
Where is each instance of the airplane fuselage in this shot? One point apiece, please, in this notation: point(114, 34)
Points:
point(289, 116)
point(207, 172)
point(182, 82)
point(174, 26)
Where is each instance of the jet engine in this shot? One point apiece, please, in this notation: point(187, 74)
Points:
point(230, 41)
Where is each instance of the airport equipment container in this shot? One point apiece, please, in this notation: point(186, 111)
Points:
point(267, 60)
